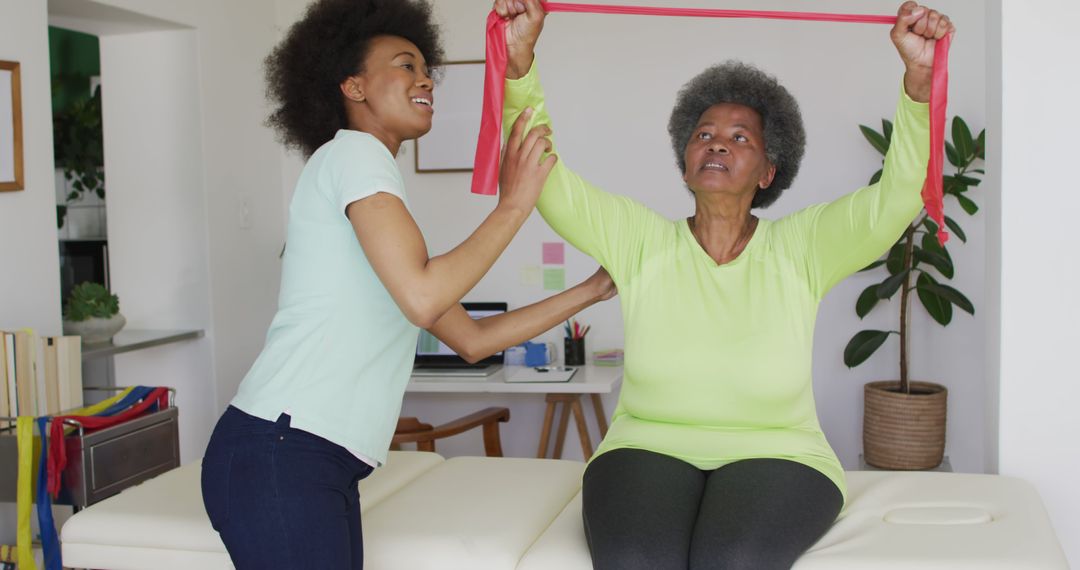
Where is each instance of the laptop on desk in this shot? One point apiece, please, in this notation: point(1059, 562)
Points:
point(434, 359)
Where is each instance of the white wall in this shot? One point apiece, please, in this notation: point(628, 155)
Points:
point(30, 289)
point(30, 284)
point(1038, 274)
point(158, 252)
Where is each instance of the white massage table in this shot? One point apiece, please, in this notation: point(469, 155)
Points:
point(425, 512)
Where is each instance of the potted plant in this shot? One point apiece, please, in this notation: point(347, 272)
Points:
point(79, 150)
point(904, 420)
point(92, 313)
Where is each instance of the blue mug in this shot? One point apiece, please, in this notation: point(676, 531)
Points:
point(539, 353)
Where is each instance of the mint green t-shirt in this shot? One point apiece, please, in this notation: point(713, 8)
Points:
point(718, 357)
point(339, 350)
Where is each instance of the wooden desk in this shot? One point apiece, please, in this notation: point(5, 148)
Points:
point(589, 380)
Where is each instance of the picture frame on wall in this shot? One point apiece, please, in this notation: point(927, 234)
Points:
point(450, 146)
point(11, 143)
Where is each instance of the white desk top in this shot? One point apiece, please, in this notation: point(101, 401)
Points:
point(589, 379)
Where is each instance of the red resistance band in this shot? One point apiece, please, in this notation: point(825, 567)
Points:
point(486, 165)
point(57, 449)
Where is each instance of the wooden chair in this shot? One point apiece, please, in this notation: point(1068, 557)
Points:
point(412, 430)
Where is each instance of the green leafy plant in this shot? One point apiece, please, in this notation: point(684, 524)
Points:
point(79, 149)
point(917, 254)
point(88, 300)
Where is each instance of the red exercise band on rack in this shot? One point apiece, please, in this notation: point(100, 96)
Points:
point(486, 165)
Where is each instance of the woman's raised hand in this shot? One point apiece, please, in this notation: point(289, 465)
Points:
point(915, 35)
point(525, 20)
point(524, 168)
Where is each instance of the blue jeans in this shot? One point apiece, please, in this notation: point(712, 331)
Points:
point(281, 497)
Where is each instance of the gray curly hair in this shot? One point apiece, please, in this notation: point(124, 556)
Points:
point(743, 84)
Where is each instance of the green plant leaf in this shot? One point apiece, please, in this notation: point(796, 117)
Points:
point(888, 287)
point(873, 265)
point(940, 262)
point(931, 227)
point(951, 154)
point(895, 260)
point(980, 145)
point(886, 129)
point(938, 307)
point(951, 295)
point(876, 139)
point(965, 146)
point(866, 301)
point(969, 206)
point(877, 176)
point(955, 229)
point(952, 186)
point(967, 180)
point(90, 299)
point(862, 345)
point(930, 243)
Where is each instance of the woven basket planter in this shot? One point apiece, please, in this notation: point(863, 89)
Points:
point(904, 432)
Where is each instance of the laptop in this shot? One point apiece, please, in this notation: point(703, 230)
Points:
point(434, 358)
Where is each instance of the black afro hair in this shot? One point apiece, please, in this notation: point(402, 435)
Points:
point(325, 47)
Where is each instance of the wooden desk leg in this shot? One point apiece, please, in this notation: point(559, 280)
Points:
point(564, 421)
point(545, 432)
point(601, 418)
point(582, 428)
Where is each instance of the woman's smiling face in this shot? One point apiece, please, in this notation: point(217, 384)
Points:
point(397, 91)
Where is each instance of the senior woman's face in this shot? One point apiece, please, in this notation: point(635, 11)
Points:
point(726, 152)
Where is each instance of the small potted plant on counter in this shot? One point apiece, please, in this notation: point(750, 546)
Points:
point(93, 313)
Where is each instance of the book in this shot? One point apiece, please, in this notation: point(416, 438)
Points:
point(25, 374)
point(49, 357)
point(69, 372)
point(541, 374)
point(9, 367)
point(5, 399)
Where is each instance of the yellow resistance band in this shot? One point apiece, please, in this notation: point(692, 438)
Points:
point(24, 429)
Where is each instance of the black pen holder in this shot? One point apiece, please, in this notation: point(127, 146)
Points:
point(574, 351)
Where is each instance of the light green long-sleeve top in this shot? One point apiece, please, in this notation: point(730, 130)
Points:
point(718, 357)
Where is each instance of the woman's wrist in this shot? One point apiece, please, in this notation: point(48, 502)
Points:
point(917, 82)
point(519, 62)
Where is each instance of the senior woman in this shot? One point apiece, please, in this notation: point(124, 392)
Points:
point(715, 457)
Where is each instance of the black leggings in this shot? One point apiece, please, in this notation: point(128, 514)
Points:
point(651, 511)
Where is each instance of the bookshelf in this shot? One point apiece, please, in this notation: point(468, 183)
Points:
point(129, 340)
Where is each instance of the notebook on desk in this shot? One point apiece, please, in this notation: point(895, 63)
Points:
point(541, 374)
point(434, 359)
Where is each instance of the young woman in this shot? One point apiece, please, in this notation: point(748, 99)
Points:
point(316, 412)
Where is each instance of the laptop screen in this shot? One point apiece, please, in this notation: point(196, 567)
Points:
point(431, 350)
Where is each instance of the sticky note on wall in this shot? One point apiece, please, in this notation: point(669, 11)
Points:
point(554, 253)
point(554, 279)
point(530, 275)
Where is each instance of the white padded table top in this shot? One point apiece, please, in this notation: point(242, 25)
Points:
point(938, 521)
point(472, 513)
point(421, 511)
point(162, 524)
point(893, 521)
